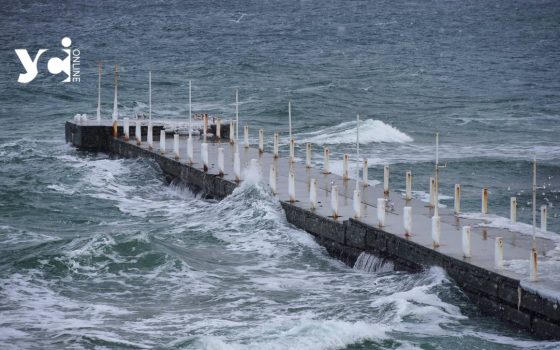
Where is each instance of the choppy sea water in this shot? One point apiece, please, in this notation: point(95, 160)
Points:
point(104, 253)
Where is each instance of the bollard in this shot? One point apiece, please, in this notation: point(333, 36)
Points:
point(513, 209)
point(386, 179)
point(432, 192)
point(176, 146)
point(345, 167)
point(544, 211)
point(357, 203)
point(261, 141)
point(485, 200)
point(466, 242)
point(334, 201)
point(246, 136)
point(365, 174)
point(457, 199)
point(292, 186)
point(272, 179)
point(218, 128)
point(408, 191)
point(150, 136)
point(231, 132)
point(326, 168)
point(407, 221)
point(237, 166)
point(126, 127)
point(276, 155)
point(499, 253)
point(381, 211)
point(534, 265)
point(138, 133)
point(221, 167)
point(162, 140)
point(292, 150)
point(190, 150)
point(204, 155)
point(308, 155)
point(436, 230)
point(313, 193)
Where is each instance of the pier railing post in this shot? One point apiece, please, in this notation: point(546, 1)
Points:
point(272, 179)
point(381, 211)
point(126, 128)
point(436, 231)
point(334, 201)
point(544, 210)
point(345, 167)
point(499, 253)
point(386, 179)
point(275, 149)
point(432, 192)
point(292, 151)
point(292, 186)
point(237, 166)
point(365, 176)
point(190, 150)
point(466, 241)
point(513, 209)
point(150, 136)
point(231, 132)
point(308, 155)
point(138, 133)
point(313, 193)
point(221, 166)
point(357, 204)
point(176, 146)
point(534, 265)
point(246, 136)
point(204, 155)
point(484, 208)
point(408, 192)
point(218, 128)
point(407, 221)
point(261, 141)
point(457, 198)
point(162, 141)
point(326, 168)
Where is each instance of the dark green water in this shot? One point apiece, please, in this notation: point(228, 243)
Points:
point(103, 253)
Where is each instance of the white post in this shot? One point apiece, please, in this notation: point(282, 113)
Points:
point(457, 199)
point(237, 120)
point(466, 242)
point(261, 141)
point(150, 136)
point(499, 253)
point(162, 141)
point(99, 93)
point(544, 210)
point(205, 127)
point(190, 148)
point(436, 227)
point(275, 150)
point(326, 168)
point(513, 209)
point(218, 128)
point(365, 173)
point(292, 187)
point(237, 166)
point(381, 211)
point(534, 265)
point(357, 203)
point(115, 101)
point(292, 150)
point(408, 194)
point(432, 191)
point(334, 201)
point(345, 167)
point(246, 136)
point(407, 220)
point(308, 155)
point(138, 132)
point(204, 155)
point(386, 179)
point(313, 193)
point(231, 132)
point(272, 179)
point(291, 140)
point(221, 167)
point(485, 200)
point(126, 127)
point(190, 109)
point(176, 146)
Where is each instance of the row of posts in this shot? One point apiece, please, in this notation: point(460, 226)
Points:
point(313, 190)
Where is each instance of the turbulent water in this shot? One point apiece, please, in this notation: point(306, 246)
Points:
point(104, 253)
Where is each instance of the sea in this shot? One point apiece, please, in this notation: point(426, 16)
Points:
point(98, 252)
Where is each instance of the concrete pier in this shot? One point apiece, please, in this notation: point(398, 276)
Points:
point(504, 294)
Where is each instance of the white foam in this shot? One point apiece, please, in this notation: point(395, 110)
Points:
point(371, 130)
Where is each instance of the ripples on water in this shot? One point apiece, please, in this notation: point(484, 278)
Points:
point(100, 252)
